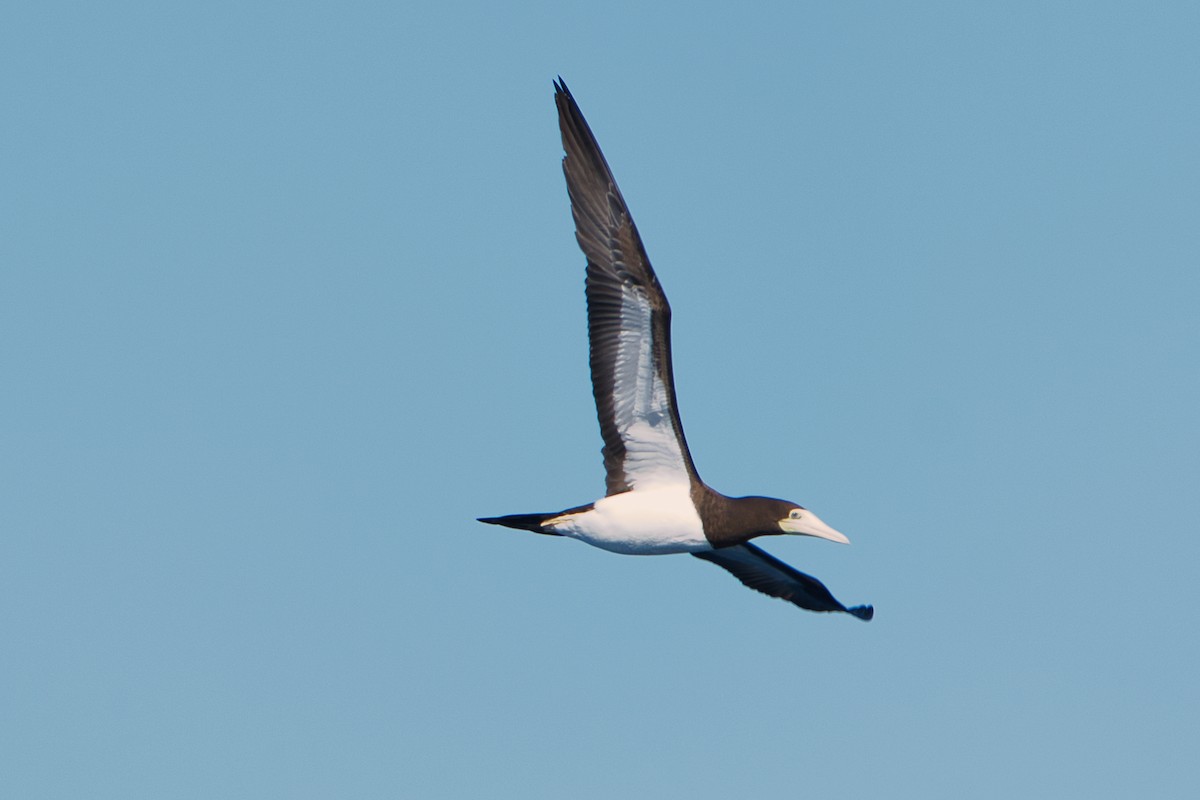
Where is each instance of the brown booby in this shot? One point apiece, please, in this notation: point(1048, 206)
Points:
point(655, 502)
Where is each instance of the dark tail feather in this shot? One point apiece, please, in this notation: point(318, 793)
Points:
point(532, 522)
point(524, 522)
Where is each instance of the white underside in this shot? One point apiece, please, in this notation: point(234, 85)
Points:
point(643, 522)
point(641, 403)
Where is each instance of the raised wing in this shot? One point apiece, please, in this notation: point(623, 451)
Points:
point(629, 322)
point(764, 573)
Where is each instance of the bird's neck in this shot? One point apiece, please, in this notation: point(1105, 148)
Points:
point(723, 518)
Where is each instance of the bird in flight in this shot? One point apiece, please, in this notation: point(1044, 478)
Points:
point(655, 503)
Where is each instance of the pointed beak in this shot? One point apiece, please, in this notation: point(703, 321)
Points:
point(811, 525)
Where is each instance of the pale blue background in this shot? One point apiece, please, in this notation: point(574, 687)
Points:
point(289, 295)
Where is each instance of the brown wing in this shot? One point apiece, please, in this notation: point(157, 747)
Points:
point(764, 573)
point(629, 322)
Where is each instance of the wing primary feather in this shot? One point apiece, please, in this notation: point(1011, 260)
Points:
point(762, 572)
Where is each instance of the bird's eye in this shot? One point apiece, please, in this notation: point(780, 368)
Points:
point(794, 514)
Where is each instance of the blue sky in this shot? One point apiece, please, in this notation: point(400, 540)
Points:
point(289, 295)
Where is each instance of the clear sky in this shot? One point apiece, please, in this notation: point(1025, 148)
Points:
point(289, 295)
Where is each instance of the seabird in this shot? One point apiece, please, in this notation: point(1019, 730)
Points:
point(655, 502)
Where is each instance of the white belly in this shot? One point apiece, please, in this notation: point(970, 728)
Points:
point(642, 522)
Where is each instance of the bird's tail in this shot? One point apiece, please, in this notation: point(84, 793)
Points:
point(532, 522)
point(524, 522)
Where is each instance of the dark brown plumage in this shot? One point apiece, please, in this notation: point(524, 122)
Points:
point(616, 262)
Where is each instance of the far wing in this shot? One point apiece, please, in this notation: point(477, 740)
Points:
point(764, 573)
point(629, 322)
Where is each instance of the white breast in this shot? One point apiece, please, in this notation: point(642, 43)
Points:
point(642, 522)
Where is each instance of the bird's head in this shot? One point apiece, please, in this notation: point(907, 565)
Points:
point(802, 522)
point(792, 518)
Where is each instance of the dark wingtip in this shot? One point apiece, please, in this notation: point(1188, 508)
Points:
point(488, 520)
point(865, 613)
point(560, 86)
